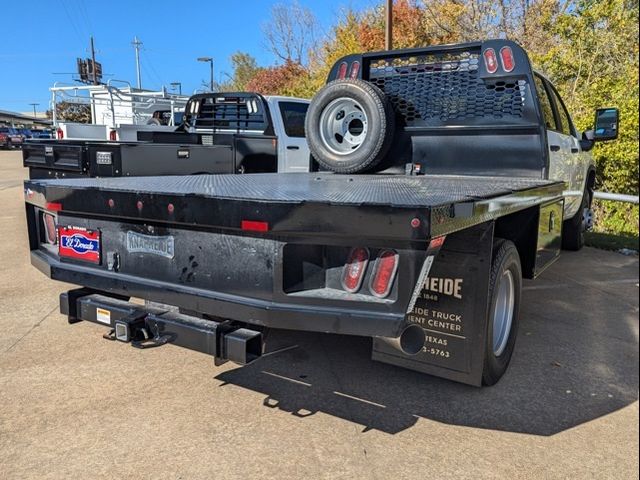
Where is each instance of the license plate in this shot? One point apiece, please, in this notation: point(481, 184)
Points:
point(154, 245)
point(79, 243)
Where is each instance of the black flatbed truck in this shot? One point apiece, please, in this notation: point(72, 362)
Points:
point(428, 265)
point(226, 132)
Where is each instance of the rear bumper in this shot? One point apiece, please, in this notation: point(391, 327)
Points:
point(243, 309)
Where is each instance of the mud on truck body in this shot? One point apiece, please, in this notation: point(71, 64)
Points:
point(450, 173)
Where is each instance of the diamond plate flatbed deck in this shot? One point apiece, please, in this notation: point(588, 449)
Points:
point(356, 190)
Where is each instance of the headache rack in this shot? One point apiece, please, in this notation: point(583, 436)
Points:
point(228, 112)
point(447, 86)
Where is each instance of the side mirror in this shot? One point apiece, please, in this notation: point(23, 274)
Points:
point(606, 124)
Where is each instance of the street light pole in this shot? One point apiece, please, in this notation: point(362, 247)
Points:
point(210, 60)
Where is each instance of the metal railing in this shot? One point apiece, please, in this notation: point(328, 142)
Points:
point(616, 197)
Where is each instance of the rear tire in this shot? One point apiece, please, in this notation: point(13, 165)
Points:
point(573, 228)
point(349, 126)
point(505, 287)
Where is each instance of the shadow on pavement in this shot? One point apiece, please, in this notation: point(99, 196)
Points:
point(575, 360)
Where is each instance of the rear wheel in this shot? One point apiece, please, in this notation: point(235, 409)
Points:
point(505, 286)
point(573, 228)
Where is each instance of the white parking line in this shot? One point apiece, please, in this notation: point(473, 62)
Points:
point(585, 284)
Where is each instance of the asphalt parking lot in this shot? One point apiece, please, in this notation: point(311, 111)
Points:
point(73, 405)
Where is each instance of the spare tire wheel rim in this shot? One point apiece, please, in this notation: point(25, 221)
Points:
point(503, 312)
point(343, 126)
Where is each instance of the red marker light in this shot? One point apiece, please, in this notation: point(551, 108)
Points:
point(342, 70)
point(355, 69)
point(111, 203)
point(415, 222)
point(254, 226)
point(490, 60)
point(139, 205)
point(437, 242)
point(354, 269)
point(53, 206)
point(506, 56)
point(384, 273)
point(170, 208)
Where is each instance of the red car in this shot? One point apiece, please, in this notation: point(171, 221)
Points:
point(10, 137)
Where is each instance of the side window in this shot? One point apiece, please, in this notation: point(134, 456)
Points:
point(563, 115)
point(545, 104)
point(293, 115)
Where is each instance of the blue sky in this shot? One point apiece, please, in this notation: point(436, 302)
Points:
point(41, 39)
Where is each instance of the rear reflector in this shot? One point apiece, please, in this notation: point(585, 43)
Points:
point(342, 70)
point(384, 272)
point(51, 233)
point(53, 206)
point(355, 69)
point(354, 269)
point(254, 226)
point(490, 60)
point(506, 56)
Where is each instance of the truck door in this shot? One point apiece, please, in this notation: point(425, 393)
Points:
point(566, 162)
point(293, 152)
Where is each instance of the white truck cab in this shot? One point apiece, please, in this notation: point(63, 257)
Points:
point(288, 115)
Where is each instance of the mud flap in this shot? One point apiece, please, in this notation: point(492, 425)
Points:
point(452, 311)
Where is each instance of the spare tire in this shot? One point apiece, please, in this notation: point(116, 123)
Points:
point(349, 126)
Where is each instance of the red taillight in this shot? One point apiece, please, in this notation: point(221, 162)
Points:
point(490, 60)
point(508, 62)
point(355, 69)
point(384, 273)
point(342, 70)
point(355, 268)
point(254, 226)
point(112, 135)
point(59, 134)
point(53, 206)
point(50, 228)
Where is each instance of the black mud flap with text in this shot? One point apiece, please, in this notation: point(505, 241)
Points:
point(452, 310)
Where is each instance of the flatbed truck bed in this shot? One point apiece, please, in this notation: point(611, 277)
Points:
point(268, 250)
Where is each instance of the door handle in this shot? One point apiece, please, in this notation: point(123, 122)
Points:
point(575, 150)
point(554, 148)
point(293, 147)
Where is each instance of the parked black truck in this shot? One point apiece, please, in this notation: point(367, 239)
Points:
point(454, 172)
point(221, 133)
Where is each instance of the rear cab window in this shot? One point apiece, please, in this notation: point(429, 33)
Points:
point(546, 107)
point(293, 115)
point(564, 119)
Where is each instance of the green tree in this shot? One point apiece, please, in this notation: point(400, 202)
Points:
point(245, 68)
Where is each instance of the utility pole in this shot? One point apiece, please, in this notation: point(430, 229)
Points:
point(34, 105)
point(137, 44)
point(93, 62)
point(388, 30)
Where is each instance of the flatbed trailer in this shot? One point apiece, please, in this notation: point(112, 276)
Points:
point(268, 250)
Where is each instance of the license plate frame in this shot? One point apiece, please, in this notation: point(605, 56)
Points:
point(79, 243)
